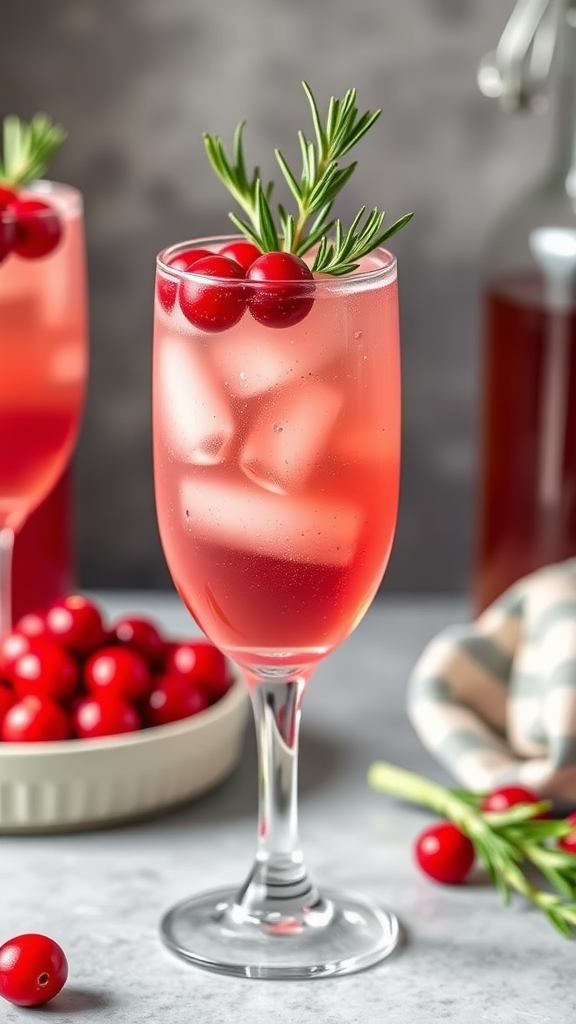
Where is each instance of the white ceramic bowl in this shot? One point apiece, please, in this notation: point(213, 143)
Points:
point(74, 784)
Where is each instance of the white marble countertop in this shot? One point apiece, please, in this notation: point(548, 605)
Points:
point(465, 958)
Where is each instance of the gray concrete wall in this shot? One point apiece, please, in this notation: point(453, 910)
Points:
point(137, 81)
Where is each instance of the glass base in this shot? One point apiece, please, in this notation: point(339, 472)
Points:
point(342, 933)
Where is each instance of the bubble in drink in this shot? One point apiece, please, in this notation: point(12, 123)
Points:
point(194, 412)
point(288, 436)
point(246, 518)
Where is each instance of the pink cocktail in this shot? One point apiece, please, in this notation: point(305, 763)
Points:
point(43, 364)
point(276, 461)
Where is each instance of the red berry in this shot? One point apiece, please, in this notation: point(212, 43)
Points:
point(35, 720)
point(12, 647)
point(7, 197)
point(285, 289)
point(37, 230)
point(104, 715)
point(245, 253)
point(214, 306)
point(76, 623)
point(508, 796)
point(568, 843)
point(141, 635)
point(7, 699)
point(31, 625)
point(45, 670)
point(119, 671)
point(444, 853)
point(174, 698)
point(167, 287)
point(33, 969)
point(7, 223)
point(199, 661)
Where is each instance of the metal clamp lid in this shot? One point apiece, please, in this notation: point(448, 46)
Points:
point(517, 72)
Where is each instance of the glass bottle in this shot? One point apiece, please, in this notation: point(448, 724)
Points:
point(527, 479)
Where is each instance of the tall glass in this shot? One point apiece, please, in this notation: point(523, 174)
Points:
point(276, 460)
point(43, 369)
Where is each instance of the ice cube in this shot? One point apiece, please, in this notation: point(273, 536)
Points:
point(252, 358)
point(240, 515)
point(192, 410)
point(289, 434)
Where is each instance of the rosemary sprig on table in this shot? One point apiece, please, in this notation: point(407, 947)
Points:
point(28, 148)
point(504, 842)
point(314, 191)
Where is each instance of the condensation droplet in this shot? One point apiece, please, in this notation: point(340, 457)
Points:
point(242, 375)
point(357, 335)
point(278, 428)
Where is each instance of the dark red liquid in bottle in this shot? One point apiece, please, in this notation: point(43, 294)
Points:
point(527, 496)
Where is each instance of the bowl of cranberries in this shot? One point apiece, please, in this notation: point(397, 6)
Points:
point(105, 721)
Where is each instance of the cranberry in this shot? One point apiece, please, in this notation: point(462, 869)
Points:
point(166, 287)
point(508, 796)
point(7, 699)
point(201, 662)
point(12, 647)
point(119, 671)
point(214, 306)
point(245, 253)
point(444, 853)
point(7, 223)
point(174, 698)
point(35, 720)
point(37, 230)
point(33, 969)
point(141, 635)
point(285, 289)
point(76, 623)
point(7, 197)
point(45, 670)
point(32, 625)
point(568, 843)
point(104, 715)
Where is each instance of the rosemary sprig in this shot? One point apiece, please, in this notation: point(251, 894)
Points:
point(504, 842)
point(28, 148)
point(314, 191)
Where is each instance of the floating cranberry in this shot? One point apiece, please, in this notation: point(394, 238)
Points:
point(119, 671)
point(245, 253)
point(33, 969)
point(172, 699)
point(143, 636)
point(104, 715)
point(76, 623)
point(7, 699)
point(37, 228)
point(167, 288)
point(285, 289)
point(45, 670)
point(214, 306)
point(35, 720)
point(12, 647)
point(32, 625)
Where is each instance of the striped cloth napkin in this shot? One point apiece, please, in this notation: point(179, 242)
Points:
point(495, 700)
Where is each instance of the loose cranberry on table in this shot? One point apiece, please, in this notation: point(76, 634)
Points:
point(502, 799)
point(37, 228)
point(444, 853)
point(172, 699)
point(76, 623)
point(143, 636)
point(245, 253)
point(35, 720)
point(33, 969)
point(104, 715)
point(119, 671)
point(285, 292)
point(568, 843)
point(46, 669)
point(168, 288)
point(199, 661)
point(214, 306)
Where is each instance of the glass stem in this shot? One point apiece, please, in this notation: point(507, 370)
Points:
point(277, 889)
point(6, 552)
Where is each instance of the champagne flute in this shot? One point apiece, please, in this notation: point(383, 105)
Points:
point(276, 463)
